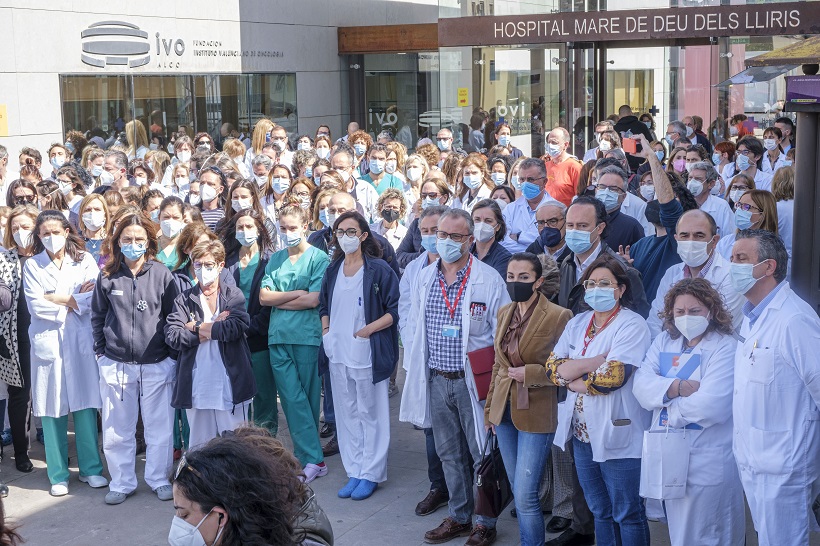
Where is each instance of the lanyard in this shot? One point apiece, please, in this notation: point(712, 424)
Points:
point(588, 337)
point(452, 309)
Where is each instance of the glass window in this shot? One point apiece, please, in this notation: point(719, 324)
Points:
point(220, 105)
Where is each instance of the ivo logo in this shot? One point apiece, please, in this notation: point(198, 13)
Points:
point(383, 119)
point(167, 46)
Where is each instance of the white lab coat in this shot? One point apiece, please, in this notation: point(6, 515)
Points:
point(485, 286)
point(64, 373)
point(368, 198)
point(721, 280)
point(520, 218)
point(776, 418)
point(721, 212)
point(712, 511)
point(626, 340)
point(467, 204)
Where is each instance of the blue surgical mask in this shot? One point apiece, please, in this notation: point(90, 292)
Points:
point(743, 162)
point(472, 181)
point(514, 182)
point(498, 178)
point(376, 166)
point(428, 202)
point(323, 218)
point(659, 155)
point(600, 299)
point(554, 150)
point(742, 276)
point(530, 190)
point(669, 140)
point(608, 197)
point(247, 238)
point(428, 242)
point(504, 140)
point(308, 172)
point(787, 162)
point(133, 251)
point(280, 185)
point(716, 157)
point(70, 147)
point(648, 124)
point(443, 145)
point(96, 171)
point(743, 218)
point(449, 250)
point(360, 149)
point(578, 241)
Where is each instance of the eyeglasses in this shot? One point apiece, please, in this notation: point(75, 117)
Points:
point(747, 153)
point(602, 187)
point(455, 237)
point(350, 232)
point(747, 207)
point(702, 181)
point(431, 195)
point(209, 265)
point(24, 199)
point(183, 464)
point(531, 180)
point(551, 222)
point(302, 194)
point(603, 283)
point(443, 138)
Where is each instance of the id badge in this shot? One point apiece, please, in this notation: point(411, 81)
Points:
point(450, 330)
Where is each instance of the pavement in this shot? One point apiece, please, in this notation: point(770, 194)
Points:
point(83, 519)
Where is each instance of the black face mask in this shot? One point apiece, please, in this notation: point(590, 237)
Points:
point(520, 291)
point(550, 236)
point(390, 215)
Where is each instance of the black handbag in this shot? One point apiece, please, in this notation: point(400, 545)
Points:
point(492, 488)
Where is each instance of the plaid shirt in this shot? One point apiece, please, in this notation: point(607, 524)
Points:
point(687, 272)
point(444, 353)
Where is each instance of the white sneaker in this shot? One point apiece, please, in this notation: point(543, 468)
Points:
point(59, 489)
point(313, 471)
point(94, 481)
point(164, 492)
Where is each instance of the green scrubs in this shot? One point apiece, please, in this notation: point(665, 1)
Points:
point(294, 338)
point(55, 435)
point(168, 260)
point(182, 430)
point(263, 409)
point(387, 181)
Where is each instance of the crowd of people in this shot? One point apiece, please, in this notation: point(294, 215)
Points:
point(650, 358)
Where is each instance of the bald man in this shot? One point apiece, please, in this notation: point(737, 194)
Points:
point(563, 169)
point(697, 237)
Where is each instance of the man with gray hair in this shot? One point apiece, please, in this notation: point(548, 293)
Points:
point(262, 164)
point(703, 184)
point(520, 214)
point(610, 182)
point(776, 407)
point(675, 131)
point(455, 301)
point(342, 160)
point(550, 219)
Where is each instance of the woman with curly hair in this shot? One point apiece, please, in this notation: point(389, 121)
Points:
point(245, 489)
point(686, 380)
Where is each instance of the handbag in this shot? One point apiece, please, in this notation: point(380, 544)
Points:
point(664, 465)
point(481, 363)
point(492, 488)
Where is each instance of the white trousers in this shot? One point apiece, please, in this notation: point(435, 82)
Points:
point(207, 424)
point(127, 389)
point(362, 421)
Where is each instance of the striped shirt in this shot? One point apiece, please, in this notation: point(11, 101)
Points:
point(212, 217)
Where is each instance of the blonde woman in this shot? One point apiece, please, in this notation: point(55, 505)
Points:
point(783, 191)
point(261, 134)
point(234, 148)
point(415, 170)
point(137, 139)
point(93, 223)
point(180, 181)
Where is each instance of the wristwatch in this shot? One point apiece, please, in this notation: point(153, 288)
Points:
point(197, 324)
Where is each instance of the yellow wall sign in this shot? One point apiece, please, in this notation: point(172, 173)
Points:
point(463, 96)
point(4, 121)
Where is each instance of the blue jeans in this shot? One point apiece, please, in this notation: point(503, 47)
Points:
point(611, 490)
point(434, 471)
point(525, 459)
point(452, 415)
point(327, 400)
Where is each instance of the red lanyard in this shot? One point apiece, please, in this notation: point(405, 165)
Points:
point(588, 336)
point(452, 309)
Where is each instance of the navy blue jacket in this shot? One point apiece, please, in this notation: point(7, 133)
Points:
point(410, 247)
point(498, 257)
point(229, 333)
point(260, 314)
point(381, 295)
point(622, 230)
point(321, 240)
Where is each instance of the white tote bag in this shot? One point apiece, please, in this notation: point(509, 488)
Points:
point(664, 465)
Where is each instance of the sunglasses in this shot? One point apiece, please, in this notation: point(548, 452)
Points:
point(183, 464)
